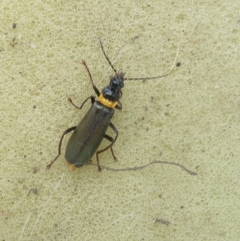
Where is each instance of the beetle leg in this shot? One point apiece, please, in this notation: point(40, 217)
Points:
point(112, 140)
point(81, 106)
point(119, 105)
point(90, 76)
point(60, 144)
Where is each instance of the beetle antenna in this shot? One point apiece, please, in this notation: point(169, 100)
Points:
point(159, 76)
point(147, 78)
point(107, 56)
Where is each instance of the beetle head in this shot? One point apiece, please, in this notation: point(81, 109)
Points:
point(113, 91)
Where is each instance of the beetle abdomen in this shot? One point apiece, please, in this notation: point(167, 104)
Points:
point(88, 135)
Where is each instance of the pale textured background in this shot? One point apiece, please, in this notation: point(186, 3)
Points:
point(191, 117)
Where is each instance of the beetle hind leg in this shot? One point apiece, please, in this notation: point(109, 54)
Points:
point(112, 140)
point(60, 145)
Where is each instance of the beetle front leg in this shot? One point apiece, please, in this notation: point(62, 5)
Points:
point(91, 79)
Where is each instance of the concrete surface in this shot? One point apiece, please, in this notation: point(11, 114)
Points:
point(191, 117)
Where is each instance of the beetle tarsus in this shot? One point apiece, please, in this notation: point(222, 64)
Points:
point(114, 157)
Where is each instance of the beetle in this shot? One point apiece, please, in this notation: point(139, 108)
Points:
point(89, 133)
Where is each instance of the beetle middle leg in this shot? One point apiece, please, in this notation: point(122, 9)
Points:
point(60, 144)
point(112, 140)
point(81, 106)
